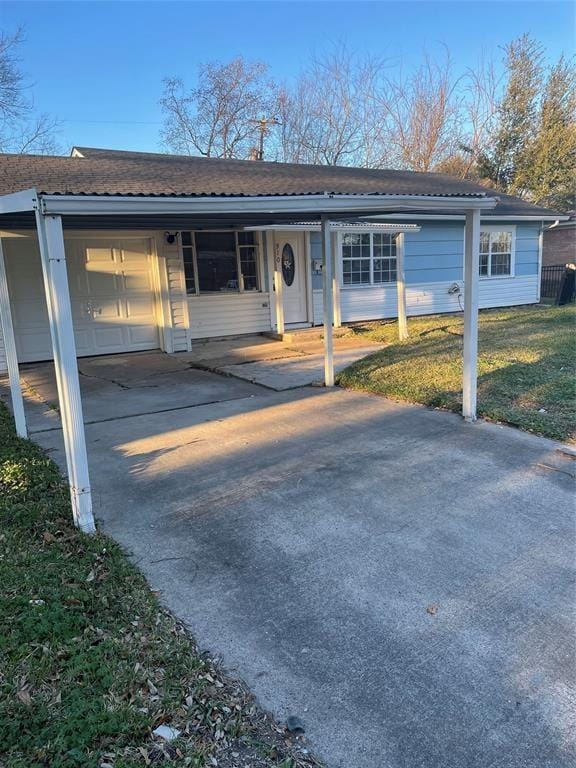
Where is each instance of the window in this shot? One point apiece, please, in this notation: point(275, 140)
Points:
point(368, 258)
point(495, 252)
point(220, 262)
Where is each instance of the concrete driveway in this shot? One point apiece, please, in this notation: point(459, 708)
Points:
point(402, 581)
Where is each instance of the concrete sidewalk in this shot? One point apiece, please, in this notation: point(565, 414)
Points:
point(401, 580)
point(276, 365)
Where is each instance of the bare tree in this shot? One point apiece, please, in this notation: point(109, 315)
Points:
point(216, 117)
point(477, 103)
point(423, 114)
point(480, 107)
point(328, 116)
point(21, 130)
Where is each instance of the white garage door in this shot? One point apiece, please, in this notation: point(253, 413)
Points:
point(111, 288)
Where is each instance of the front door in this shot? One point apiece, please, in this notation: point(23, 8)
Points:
point(293, 270)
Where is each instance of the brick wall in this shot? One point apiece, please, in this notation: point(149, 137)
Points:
point(559, 246)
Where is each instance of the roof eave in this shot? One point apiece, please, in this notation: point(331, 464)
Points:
point(459, 216)
point(79, 205)
point(19, 202)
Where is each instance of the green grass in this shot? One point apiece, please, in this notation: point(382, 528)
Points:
point(526, 366)
point(90, 662)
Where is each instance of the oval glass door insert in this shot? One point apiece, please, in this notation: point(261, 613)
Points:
point(288, 264)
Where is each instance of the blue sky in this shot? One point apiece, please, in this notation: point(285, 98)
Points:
point(98, 66)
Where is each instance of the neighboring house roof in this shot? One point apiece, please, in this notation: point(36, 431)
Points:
point(92, 171)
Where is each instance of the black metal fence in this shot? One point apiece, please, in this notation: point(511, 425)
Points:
point(558, 284)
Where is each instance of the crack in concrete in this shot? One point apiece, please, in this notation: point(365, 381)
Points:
point(152, 412)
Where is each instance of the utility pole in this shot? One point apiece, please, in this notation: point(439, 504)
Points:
point(263, 123)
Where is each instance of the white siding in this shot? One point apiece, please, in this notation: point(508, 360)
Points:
point(427, 298)
point(228, 314)
point(368, 303)
point(318, 306)
point(177, 291)
point(506, 291)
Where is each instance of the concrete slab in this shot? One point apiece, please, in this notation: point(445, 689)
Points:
point(290, 373)
point(119, 386)
point(400, 580)
point(220, 352)
point(274, 364)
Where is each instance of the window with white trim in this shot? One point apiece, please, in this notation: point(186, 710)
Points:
point(220, 262)
point(496, 248)
point(368, 258)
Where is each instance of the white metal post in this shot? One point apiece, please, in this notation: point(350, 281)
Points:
point(10, 350)
point(278, 285)
point(401, 287)
point(471, 288)
point(328, 286)
point(53, 257)
point(337, 315)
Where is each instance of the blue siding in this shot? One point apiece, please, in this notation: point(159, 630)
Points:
point(522, 270)
point(434, 254)
point(527, 249)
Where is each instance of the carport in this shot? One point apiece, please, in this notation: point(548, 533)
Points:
point(49, 214)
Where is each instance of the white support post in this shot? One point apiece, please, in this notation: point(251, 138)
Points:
point(337, 316)
point(53, 257)
point(328, 286)
point(471, 289)
point(278, 285)
point(271, 275)
point(401, 288)
point(10, 350)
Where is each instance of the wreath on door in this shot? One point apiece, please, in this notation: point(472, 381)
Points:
point(288, 264)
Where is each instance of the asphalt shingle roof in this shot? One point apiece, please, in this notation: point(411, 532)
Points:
point(114, 172)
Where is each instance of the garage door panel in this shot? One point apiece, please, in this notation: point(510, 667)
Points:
point(132, 253)
point(83, 341)
point(80, 311)
point(141, 335)
point(25, 280)
point(103, 284)
point(103, 255)
point(108, 310)
point(35, 345)
point(29, 313)
point(111, 291)
point(137, 281)
point(140, 308)
point(109, 338)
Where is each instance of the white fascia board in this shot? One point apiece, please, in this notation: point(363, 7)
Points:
point(27, 200)
point(337, 226)
point(106, 205)
point(461, 217)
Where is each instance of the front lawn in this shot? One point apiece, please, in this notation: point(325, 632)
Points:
point(526, 366)
point(90, 663)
